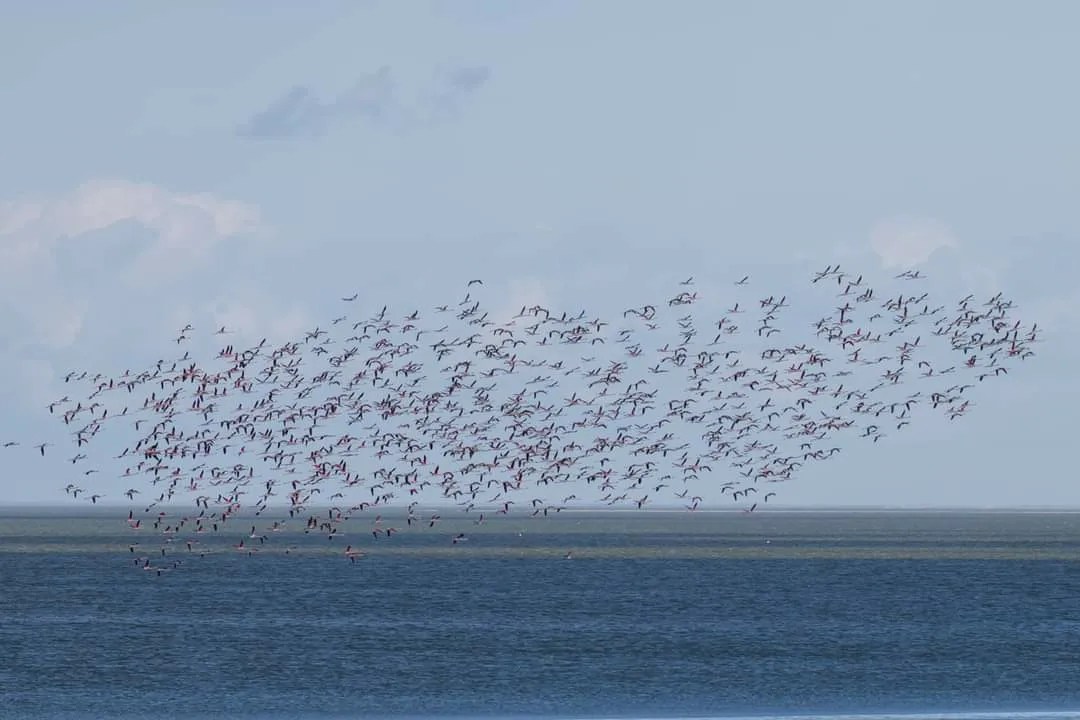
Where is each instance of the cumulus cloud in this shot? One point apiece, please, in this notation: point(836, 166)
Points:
point(57, 274)
point(184, 226)
point(907, 242)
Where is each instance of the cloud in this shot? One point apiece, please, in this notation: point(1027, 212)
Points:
point(62, 271)
point(907, 242)
point(299, 111)
point(465, 80)
point(185, 225)
point(451, 88)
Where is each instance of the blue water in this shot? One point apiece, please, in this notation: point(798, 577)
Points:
point(785, 616)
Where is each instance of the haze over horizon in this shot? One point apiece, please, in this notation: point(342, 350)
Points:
point(570, 154)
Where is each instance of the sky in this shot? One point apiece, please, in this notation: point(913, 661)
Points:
point(250, 163)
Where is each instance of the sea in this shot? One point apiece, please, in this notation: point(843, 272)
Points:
point(805, 614)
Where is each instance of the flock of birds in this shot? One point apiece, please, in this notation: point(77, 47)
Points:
point(532, 413)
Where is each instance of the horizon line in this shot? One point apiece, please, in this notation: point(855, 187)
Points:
point(24, 505)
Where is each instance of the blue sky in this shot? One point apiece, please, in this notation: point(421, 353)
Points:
point(249, 163)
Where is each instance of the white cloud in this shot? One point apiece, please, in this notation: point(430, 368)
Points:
point(54, 282)
point(907, 242)
point(100, 203)
point(36, 232)
point(15, 216)
point(184, 225)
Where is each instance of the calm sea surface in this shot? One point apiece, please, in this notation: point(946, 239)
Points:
point(653, 615)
